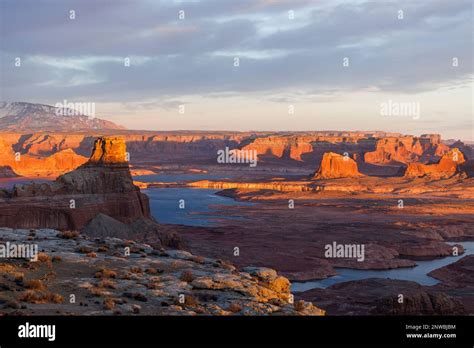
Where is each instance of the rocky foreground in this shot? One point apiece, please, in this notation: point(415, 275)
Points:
point(78, 275)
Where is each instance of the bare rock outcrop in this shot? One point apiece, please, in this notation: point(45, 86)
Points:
point(334, 166)
point(147, 281)
point(447, 166)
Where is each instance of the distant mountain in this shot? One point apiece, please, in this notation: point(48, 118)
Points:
point(19, 116)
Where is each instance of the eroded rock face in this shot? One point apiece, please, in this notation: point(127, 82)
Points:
point(446, 167)
point(335, 166)
point(109, 151)
point(18, 164)
point(102, 185)
point(407, 149)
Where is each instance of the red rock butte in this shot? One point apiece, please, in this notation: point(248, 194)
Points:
point(447, 166)
point(108, 150)
point(334, 165)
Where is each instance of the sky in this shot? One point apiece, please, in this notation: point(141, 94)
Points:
point(302, 65)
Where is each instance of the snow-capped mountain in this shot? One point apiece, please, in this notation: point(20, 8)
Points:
point(20, 116)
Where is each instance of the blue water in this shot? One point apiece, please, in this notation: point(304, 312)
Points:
point(417, 274)
point(165, 205)
point(179, 177)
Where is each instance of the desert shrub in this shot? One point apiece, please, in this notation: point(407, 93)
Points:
point(136, 269)
point(189, 300)
point(34, 284)
point(234, 308)
point(99, 292)
point(6, 268)
point(187, 276)
point(107, 283)
point(106, 273)
point(299, 306)
point(39, 297)
point(109, 303)
point(43, 257)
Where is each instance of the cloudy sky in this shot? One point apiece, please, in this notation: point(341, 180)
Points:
point(302, 65)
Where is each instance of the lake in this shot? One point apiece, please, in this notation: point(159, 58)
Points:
point(417, 274)
point(165, 205)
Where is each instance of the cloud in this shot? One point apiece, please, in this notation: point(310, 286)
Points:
point(83, 58)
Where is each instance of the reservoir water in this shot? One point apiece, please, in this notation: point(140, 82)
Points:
point(200, 203)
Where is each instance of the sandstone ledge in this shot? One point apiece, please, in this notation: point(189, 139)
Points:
point(149, 281)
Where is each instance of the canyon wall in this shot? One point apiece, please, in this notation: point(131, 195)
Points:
point(52, 154)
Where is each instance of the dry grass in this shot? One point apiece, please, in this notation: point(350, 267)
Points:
point(34, 284)
point(43, 257)
point(99, 292)
point(6, 268)
point(107, 283)
point(109, 304)
point(106, 273)
point(40, 297)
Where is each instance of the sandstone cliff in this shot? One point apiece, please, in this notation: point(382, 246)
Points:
point(101, 185)
point(406, 149)
point(334, 166)
point(447, 166)
point(27, 165)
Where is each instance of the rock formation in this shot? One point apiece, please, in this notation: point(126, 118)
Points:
point(335, 166)
point(26, 165)
point(406, 149)
point(102, 185)
point(447, 166)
